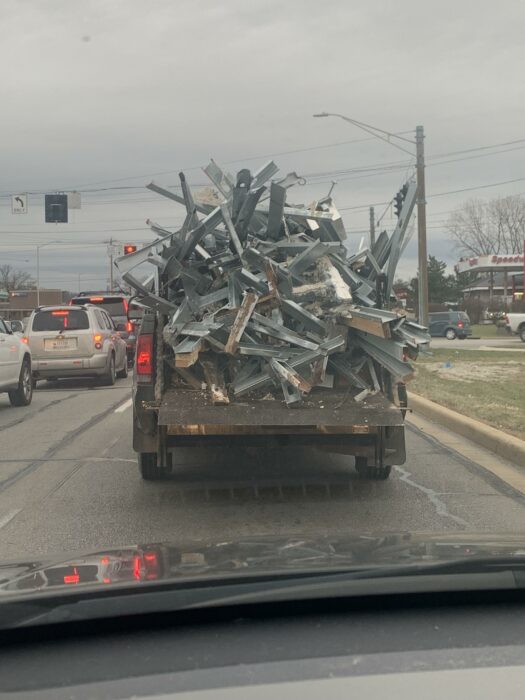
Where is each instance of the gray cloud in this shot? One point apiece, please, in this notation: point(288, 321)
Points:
point(162, 85)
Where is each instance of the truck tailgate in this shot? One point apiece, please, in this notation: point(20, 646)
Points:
point(323, 411)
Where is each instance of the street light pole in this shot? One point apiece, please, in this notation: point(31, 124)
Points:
point(421, 200)
point(38, 275)
point(41, 245)
point(421, 229)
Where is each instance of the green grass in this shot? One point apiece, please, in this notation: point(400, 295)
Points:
point(488, 386)
point(487, 331)
point(484, 331)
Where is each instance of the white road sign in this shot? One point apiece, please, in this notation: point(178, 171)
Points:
point(19, 203)
point(73, 200)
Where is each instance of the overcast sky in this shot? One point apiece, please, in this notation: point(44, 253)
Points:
point(99, 94)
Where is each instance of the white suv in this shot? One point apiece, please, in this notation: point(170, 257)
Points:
point(15, 367)
point(75, 341)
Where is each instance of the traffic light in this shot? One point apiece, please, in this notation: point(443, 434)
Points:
point(55, 208)
point(129, 248)
point(399, 199)
point(398, 203)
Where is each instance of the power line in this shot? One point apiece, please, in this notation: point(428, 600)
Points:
point(439, 194)
point(270, 155)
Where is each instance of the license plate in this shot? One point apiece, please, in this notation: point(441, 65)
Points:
point(60, 343)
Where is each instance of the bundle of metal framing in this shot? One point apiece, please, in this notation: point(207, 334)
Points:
point(258, 296)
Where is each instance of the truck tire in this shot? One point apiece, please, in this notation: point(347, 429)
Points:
point(367, 471)
point(450, 334)
point(22, 395)
point(521, 331)
point(149, 469)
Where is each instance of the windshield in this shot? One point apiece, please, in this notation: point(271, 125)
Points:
point(60, 320)
point(114, 307)
point(272, 254)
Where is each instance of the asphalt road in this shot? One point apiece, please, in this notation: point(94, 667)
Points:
point(504, 342)
point(69, 481)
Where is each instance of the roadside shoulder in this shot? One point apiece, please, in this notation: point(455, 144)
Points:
point(498, 442)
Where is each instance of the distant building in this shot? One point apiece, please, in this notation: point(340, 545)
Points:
point(22, 302)
point(491, 287)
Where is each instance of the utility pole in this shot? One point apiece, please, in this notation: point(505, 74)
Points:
point(388, 137)
point(372, 228)
point(422, 315)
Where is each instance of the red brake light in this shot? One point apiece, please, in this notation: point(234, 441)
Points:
point(94, 300)
point(129, 326)
point(60, 313)
point(137, 567)
point(145, 355)
point(151, 565)
point(97, 339)
point(25, 340)
point(460, 324)
point(126, 306)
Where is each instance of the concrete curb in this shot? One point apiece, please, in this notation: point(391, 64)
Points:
point(502, 444)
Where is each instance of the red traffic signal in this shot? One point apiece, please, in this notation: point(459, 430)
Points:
point(128, 248)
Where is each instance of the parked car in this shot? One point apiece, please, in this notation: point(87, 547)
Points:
point(15, 367)
point(75, 341)
point(515, 323)
point(125, 314)
point(449, 324)
point(15, 326)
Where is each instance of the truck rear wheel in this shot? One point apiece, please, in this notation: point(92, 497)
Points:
point(521, 331)
point(366, 471)
point(149, 467)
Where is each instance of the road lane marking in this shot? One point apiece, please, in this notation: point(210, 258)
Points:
point(63, 442)
point(123, 407)
point(4, 520)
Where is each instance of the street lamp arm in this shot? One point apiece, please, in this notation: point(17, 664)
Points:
point(372, 130)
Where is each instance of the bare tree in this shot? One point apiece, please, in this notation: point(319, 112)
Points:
point(11, 279)
point(496, 227)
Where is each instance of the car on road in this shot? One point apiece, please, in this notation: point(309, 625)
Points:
point(15, 325)
point(124, 313)
point(75, 341)
point(449, 324)
point(15, 367)
point(515, 323)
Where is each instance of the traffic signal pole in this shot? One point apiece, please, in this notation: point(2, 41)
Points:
point(372, 227)
point(422, 315)
point(111, 264)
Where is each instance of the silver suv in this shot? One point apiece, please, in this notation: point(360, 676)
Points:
point(75, 341)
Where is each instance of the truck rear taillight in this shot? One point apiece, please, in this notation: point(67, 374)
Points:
point(129, 326)
point(144, 355)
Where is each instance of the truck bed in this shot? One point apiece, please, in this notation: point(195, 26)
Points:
point(325, 410)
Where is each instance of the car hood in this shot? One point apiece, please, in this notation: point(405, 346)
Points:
point(168, 562)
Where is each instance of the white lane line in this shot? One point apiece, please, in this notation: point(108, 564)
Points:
point(4, 520)
point(123, 406)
